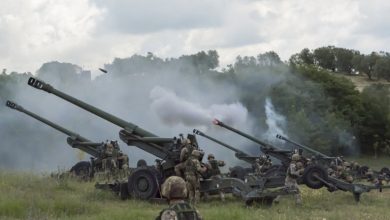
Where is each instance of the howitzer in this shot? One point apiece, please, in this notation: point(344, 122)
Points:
point(241, 172)
point(316, 153)
point(238, 153)
point(131, 134)
point(283, 155)
point(86, 169)
point(145, 180)
point(74, 140)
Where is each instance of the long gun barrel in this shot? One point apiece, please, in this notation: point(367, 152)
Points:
point(282, 155)
point(317, 153)
point(74, 140)
point(220, 123)
point(131, 133)
point(239, 154)
point(39, 84)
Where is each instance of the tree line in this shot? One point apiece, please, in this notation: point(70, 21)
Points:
point(322, 110)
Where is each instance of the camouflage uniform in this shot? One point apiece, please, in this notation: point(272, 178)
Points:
point(185, 153)
point(262, 164)
point(213, 169)
point(346, 172)
point(293, 172)
point(108, 160)
point(192, 172)
point(174, 189)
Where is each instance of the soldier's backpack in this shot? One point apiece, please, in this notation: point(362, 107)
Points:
point(183, 211)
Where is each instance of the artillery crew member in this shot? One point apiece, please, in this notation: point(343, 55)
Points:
point(123, 159)
point(262, 164)
point(214, 171)
point(294, 171)
point(108, 160)
point(193, 169)
point(185, 153)
point(174, 189)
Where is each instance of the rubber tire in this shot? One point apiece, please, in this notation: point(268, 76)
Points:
point(309, 179)
point(149, 178)
point(141, 163)
point(82, 168)
point(237, 172)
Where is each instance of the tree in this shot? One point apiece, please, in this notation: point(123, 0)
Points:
point(381, 68)
point(325, 58)
point(268, 59)
point(343, 59)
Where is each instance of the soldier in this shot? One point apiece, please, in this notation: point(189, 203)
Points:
point(294, 171)
point(346, 172)
point(185, 153)
point(108, 160)
point(174, 189)
point(123, 159)
point(193, 169)
point(213, 169)
point(262, 164)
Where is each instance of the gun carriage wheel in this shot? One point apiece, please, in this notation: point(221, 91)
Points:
point(143, 183)
point(314, 176)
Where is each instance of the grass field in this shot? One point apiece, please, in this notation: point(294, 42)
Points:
point(27, 196)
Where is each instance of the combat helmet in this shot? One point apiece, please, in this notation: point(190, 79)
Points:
point(196, 153)
point(295, 157)
point(174, 188)
point(210, 156)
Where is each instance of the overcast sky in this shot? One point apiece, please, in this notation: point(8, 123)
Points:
point(90, 33)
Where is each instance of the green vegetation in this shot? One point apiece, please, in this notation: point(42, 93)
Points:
point(322, 110)
point(27, 196)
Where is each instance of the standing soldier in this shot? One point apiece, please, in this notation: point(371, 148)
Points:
point(294, 171)
point(213, 169)
point(108, 160)
point(174, 189)
point(185, 153)
point(193, 169)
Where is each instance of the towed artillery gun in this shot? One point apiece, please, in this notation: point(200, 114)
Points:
point(359, 172)
point(314, 176)
point(111, 177)
point(144, 182)
point(284, 156)
point(239, 171)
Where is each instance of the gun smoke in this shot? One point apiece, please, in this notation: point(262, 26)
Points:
point(174, 110)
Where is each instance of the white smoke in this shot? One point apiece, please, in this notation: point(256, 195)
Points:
point(276, 123)
point(174, 110)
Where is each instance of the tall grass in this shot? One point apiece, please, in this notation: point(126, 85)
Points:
point(27, 196)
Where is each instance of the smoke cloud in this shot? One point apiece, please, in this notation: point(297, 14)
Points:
point(174, 110)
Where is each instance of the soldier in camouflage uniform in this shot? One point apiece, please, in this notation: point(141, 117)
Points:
point(294, 171)
point(108, 157)
point(214, 171)
point(175, 190)
point(185, 153)
point(346, 172)
point(123, 159)
point(192, 172)
point(262, 165)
